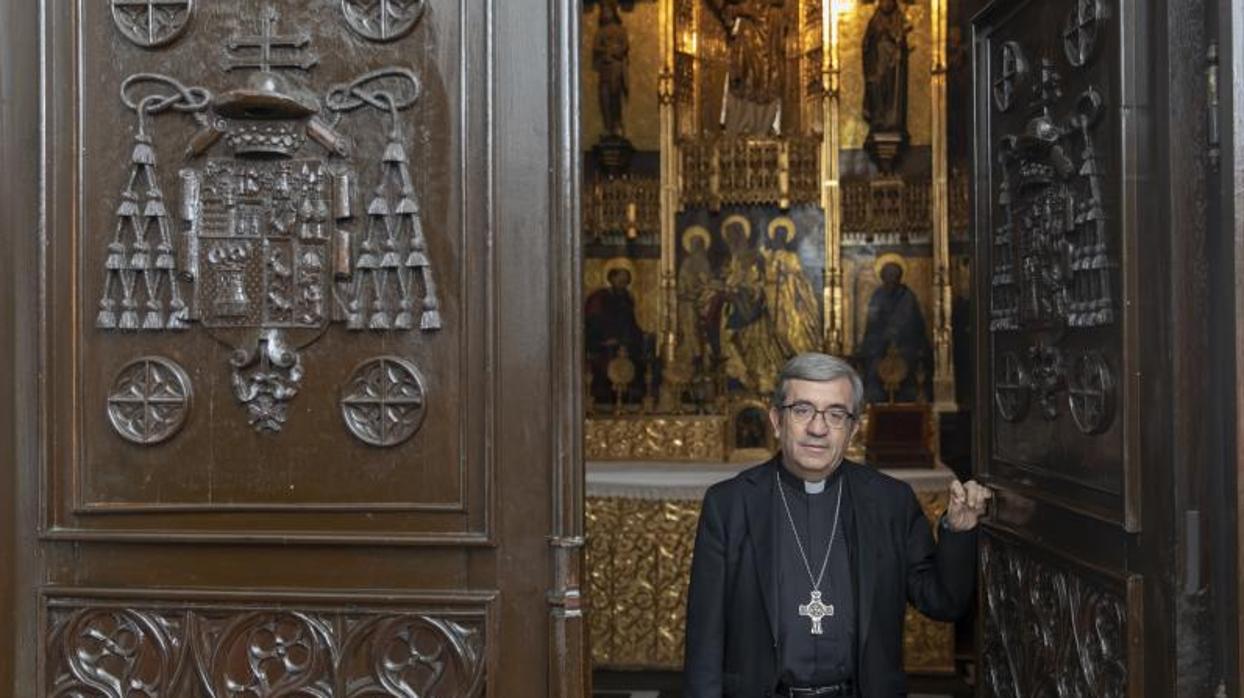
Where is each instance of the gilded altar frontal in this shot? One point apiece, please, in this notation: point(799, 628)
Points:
point(764, 178)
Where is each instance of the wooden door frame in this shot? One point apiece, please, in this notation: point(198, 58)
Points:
point(570, 667)
point(1230, 118)
point(20, 233)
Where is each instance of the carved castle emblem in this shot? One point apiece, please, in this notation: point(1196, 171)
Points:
point(267, 249)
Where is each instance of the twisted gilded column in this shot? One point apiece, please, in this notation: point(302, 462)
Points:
point(943, 348)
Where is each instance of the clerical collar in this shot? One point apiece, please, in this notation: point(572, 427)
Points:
point(808, 486)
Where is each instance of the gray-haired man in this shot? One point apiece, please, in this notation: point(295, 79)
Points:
point(804, 565)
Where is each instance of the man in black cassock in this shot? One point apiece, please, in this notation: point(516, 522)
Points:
point(804, 565)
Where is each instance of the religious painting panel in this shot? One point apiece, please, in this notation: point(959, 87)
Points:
point(749, 287)
point(1053, 217)
point(889, 291)
point(259, 251)
point(621, 316)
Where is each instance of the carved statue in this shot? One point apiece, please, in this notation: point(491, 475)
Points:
point(894, 320)
point(756, 32)
point(885, 81)
point(792, 301)
point(885, 68)
point(611, 58)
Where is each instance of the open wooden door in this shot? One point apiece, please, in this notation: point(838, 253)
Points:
point(291, 405)
point(1099, 394)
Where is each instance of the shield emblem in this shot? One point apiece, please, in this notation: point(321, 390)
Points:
point(265, 244)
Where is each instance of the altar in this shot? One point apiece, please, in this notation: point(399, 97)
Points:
point(641, 521)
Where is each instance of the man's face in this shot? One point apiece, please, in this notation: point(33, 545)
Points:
point(620, 279)
point(813, 449)
point(891, 274)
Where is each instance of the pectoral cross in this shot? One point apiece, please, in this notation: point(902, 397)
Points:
point(816, 610)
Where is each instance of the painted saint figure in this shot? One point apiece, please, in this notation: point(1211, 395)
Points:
point(792, 301)
point(610, 325)
point(749, 349)
point(894, 318)
point(695, 275)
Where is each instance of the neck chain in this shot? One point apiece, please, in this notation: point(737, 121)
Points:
point(815, 609)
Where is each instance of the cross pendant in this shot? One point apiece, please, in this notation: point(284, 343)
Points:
point(816, 610)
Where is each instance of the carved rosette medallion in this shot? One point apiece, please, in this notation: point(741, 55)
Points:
point(383, 404)
point(149, 400)
point(1012, 69)
point(1011, 387)
point(206, 652)
point(1090, 392)
point(152, 23)
point(383, 20)
point(119, 652)
point(1080, 30)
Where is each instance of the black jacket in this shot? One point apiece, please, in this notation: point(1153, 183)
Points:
point(732, 604)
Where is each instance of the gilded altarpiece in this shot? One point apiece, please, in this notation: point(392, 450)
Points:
point(752, 192)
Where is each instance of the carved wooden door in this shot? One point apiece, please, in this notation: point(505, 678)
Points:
point(292, 315)
point(1076, 385)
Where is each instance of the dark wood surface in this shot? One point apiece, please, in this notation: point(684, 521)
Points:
point(464, 537)
point(1124, 523)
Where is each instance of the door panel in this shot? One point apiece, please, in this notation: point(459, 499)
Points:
point(243, 326)
point(264, 341)
point(1061, 155)
point(1056, 157)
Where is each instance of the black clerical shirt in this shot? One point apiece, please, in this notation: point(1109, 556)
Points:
point(807, 659)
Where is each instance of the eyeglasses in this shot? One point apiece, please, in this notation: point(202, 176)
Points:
point(801, 413)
